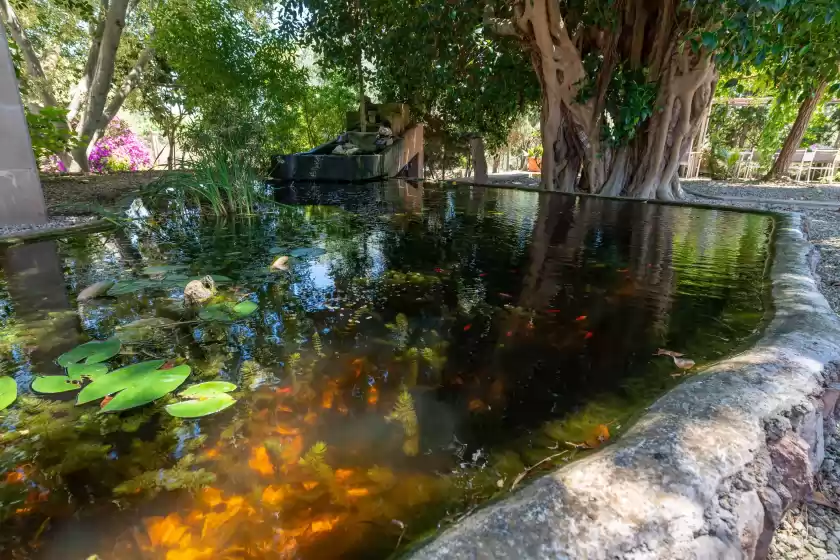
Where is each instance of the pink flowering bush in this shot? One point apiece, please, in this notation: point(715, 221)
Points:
point(119, 150)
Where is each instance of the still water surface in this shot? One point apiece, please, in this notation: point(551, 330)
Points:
point(425, 346)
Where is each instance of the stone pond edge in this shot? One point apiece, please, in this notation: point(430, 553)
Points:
point(712, 466)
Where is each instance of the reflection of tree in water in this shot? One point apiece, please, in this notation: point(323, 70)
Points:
point(468, 317)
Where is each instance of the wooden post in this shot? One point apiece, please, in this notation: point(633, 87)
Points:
point(21, 198)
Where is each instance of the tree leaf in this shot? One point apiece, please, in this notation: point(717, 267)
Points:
point(198, 408)
point(92, 371)
point(245, 308)
point(117, 381)
point(207, 389)
point(147, 388)
point(710, 40)
point(51, 384)
point(92, 352)
point(8, 392)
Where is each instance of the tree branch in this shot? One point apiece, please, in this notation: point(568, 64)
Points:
point(129, 83)
point(33, 65)
point(499, 26)
point(81, 90)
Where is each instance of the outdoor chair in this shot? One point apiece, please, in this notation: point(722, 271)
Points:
point(823, 164)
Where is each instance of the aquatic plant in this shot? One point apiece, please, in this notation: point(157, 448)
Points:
point(8, 391)
point(204, 399)
point(404, 414)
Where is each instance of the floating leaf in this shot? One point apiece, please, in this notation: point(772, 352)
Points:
point(151, 322)
point(163, 269)
point(95, 290)
point(132, 286)
point(92, 352)
point(307, 252)
point(8, 392)
point(148, 388)
point(207, 389)
point(277, 250)
point(50, 384)
point(227, 312)
point(683, 363)
point(92, 371)
point(245, 308)
point(198, 408)
point(117, 381)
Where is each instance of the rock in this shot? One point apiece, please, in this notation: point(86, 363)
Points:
point(282, 263)
point(199, 291)
point(750, 522)
point(95, 290)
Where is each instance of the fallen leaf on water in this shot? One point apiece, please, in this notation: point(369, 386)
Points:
point(599, 436)
point(683, 363)
point(671, 353)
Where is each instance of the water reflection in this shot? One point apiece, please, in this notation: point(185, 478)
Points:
point(426, 345)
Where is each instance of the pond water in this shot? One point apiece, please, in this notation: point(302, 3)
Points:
point(422, 348)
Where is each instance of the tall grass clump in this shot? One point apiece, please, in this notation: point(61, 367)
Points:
point(224, 178)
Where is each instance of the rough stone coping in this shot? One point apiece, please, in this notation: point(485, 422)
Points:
point(53, 232)
point(709, 469)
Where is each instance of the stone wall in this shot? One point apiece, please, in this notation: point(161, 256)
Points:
point(709, 470)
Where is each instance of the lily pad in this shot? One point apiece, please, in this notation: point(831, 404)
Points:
point(132, 286)
point(8, 392)
point(207, 389)
point(91, 371)
point(245, 308)
point(199, 408)
point(227, 312)
point(307, 252)
point(149, 323)
point(277, 250)
point(148, 388)
point(91, 352)
point(218, 279)
point(51, 384)
point(163, 269)
point(117, 380)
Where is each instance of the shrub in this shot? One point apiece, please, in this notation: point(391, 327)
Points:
point(119, 150)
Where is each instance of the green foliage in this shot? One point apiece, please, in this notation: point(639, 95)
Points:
point(404, 414)
point(147, 388)
point(118, 380)
point(49, 132)
point(206, 398)
point(8, 391)
point(50, 384)
point(315, 460)
point(227, 311)
point(91, 352)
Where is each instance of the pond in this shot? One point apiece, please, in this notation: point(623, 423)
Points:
point(423, 349)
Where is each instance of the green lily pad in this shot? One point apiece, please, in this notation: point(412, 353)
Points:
point(307, 252)
point(149, 323)
point(163, 269)
point(8, 392)
point(199, 408)
point(91, 371)
point(148, 388)
point(117, 381)
point(51, 384)
point(227, 312)
point(245, 308)
point(277, 250)
point(207, 390)
point(132, 286)
point(91, 352)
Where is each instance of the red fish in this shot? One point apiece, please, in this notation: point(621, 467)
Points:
point(468, 327)
point(552, 311)
point(581, 318)
point(588, 335)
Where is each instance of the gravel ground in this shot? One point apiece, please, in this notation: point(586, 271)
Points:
point(75, 199)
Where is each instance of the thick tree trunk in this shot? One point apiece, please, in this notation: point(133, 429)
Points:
point(797, 132)
point(582, 149)
point(479, 160)
point(101, 84)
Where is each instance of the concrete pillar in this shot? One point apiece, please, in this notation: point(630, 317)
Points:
point(21, 198)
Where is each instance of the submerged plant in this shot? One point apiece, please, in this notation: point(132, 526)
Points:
point(404, 414)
